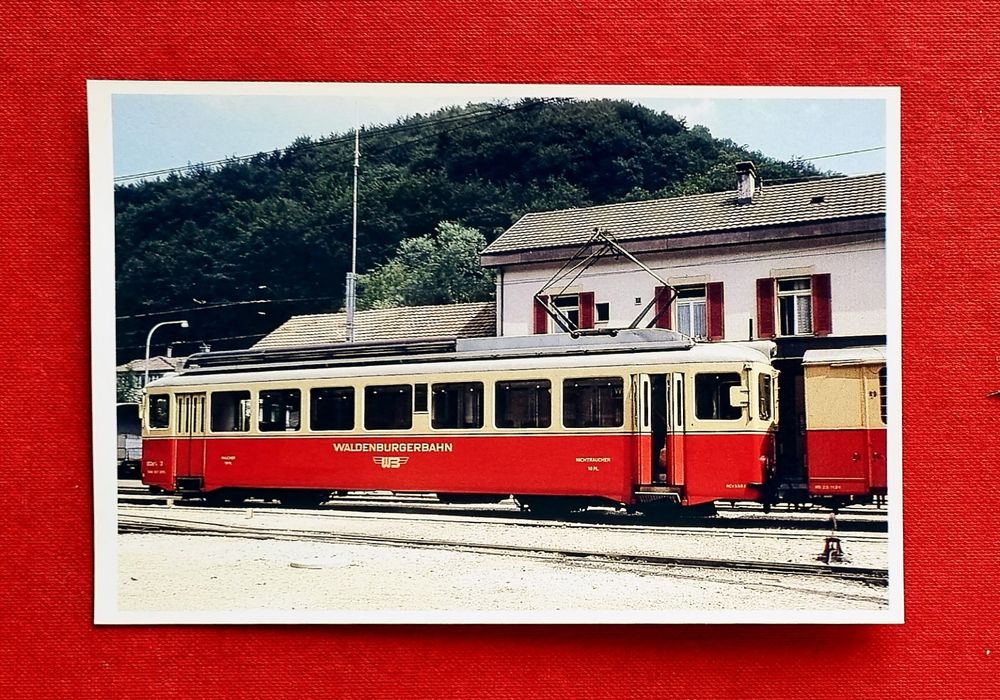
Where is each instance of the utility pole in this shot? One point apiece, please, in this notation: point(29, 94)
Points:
point(352, 275)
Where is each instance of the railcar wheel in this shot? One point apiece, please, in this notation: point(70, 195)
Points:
point(215, 498)
point(304, 499)
point(550, 507)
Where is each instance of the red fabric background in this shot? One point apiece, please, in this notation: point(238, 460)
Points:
point(944, 55)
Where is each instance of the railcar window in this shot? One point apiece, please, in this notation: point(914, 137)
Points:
point(279, 410)
point(331, 408)
point(594, 402)
point(458, 405)
point(420, 398)
point(524, 404)
point(230, 411)
point(389, 407)
point(159, 411)
point(711, 396)
point(883, 386)
point(764, 396)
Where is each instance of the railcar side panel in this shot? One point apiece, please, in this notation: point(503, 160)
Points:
point(846, 462)
point(846, 423)
point(557, 465)
point(724, 466)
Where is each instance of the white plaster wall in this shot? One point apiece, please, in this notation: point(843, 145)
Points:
point(857, 279)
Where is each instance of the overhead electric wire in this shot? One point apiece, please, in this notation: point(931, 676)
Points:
point(288, 149)
point(198, 341)
point(222, 304)
point(493, 111)
point(845, 153)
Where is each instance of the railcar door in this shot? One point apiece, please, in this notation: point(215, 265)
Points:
point(875, 426)
point(673, 461)
point(645, 433)
point(190, 444)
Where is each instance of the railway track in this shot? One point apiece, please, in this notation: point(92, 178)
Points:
point(742, 517)
point(131, 524)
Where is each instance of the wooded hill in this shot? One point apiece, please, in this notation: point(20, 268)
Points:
point(277, 227)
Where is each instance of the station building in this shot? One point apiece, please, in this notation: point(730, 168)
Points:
point(802, 264)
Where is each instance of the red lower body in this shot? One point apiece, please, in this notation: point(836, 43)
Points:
point(846, 462)
point(715, 466)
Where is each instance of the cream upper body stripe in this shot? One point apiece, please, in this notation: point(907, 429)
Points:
point(624, 363)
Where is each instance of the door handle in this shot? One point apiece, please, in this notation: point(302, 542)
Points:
point(856, 456)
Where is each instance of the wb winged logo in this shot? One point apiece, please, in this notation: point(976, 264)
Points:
point(390, 462)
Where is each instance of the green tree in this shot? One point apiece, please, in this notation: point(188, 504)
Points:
point(278, 226)
point(438, 268)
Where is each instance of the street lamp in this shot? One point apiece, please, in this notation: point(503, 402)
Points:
point(149, 338)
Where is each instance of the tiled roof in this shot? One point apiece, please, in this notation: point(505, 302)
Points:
point(471, 320)
point(776, 205)
point(158, 363)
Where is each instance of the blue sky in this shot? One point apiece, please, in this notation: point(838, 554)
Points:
point(156, 131)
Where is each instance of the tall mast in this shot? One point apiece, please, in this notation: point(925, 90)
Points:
point(352, 275)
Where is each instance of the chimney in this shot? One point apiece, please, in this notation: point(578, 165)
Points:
point(747, 180)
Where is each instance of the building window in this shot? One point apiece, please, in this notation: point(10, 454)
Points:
point(568, 307)
point(389, 407)
point(458, 405)
point(575, 311)
point(524, 404)
point(159, 411)
point(795, 306)
point(230, 411)
point(764, 396)
point(711, 396)
point(696, 311)
point(593, 403)
point(279, 410)
point(690, 312)
point(803, 304)
point(602, 313)
point(331, 408)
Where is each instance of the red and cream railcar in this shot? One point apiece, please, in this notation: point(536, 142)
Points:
point(639, 419)
point(846, 419)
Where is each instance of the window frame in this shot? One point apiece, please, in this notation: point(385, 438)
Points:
point(566, 309)
point(260, 409)
point(497, 387)
point(883, 394)
point(795, 295)
point(250, 422)
point(697, 396)
point(620, 409)
point(602, 319)
point(313, 412)
point(435, 387)
point(149, 411)
point(690, 302)
point(769, 416)
point(408, 389)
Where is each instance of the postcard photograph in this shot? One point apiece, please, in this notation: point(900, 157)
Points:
point(495, 353)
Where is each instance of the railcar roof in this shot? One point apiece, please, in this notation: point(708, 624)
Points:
point(453, 364)
point(861, 355)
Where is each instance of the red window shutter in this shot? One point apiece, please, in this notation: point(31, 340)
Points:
point(822, 311)
point(662, 302)
point(765, 307)
point(716, 320)
point(541, 315)
point(586, 310)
